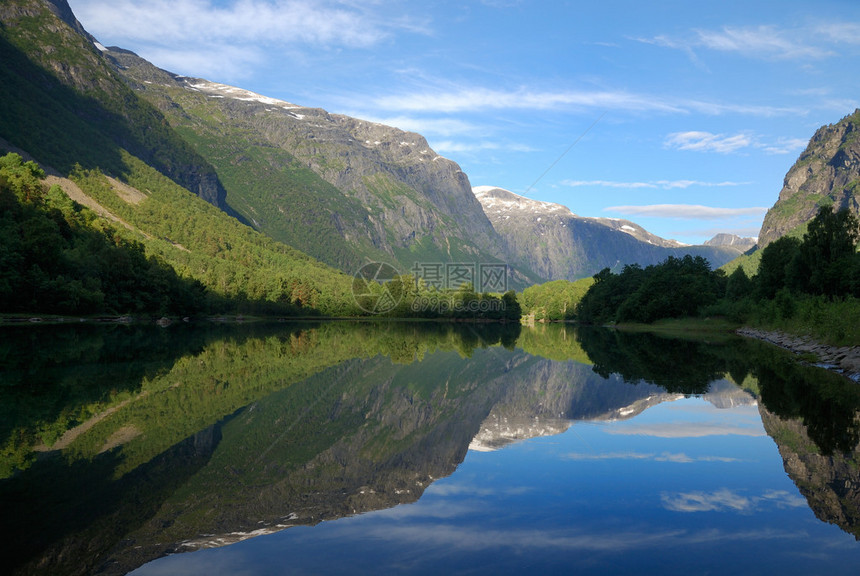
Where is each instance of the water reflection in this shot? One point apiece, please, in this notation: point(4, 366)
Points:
point(134, 443)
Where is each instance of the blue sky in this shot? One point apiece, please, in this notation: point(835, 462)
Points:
point(682, 116)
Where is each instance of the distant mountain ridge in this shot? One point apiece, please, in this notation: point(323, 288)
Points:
point(554, 242)
point(723, 239)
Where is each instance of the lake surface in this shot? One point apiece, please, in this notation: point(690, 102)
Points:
point(349, 448)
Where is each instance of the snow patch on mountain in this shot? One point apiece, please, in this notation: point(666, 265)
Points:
point(501, 200)
point(216, 90)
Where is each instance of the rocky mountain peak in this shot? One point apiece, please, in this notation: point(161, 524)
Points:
point(555, 243)
point(502, 201)
point(724, 239)
point(826, 173)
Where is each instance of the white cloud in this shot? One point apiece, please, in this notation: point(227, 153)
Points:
point(691, 211)
point(251, 21)
point(720, 500)
point(471, 99)
point(448, 146)
point(786, 146)
point(686, 430)
point(222, 61)
point(445, 127)
point(476, 99)
point(707, 142)
point(762, 42)
point(199, 36)
point(700, 141)
point(608, 184)
point(724, 500)
point(840, 32)
point(664, 184)
point(679, 458)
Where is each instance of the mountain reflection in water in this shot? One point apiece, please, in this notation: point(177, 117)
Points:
point(130, 444)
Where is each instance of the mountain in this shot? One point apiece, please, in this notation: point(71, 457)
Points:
point(732, 240)
point(555, 243)
point(63, 104)
point(826, 173)
point(344, 190)
point(830, 483)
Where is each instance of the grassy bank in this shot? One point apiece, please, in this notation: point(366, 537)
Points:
point(835, 323)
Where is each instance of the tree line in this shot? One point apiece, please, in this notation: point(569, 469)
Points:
point(821, 269)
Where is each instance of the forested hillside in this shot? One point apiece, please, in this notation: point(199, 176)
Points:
point(61, 102)
point(182, 256)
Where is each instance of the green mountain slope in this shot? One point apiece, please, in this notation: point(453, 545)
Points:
point(63, 103)
point(344, 190)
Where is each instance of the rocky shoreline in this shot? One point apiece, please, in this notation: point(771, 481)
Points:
point(844, 360)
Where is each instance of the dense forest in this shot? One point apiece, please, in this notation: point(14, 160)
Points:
point(58, 257)
point(185, 257)
point(808, 284)
point(553, 301)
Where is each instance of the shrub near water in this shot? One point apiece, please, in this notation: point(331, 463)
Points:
point(678, 287)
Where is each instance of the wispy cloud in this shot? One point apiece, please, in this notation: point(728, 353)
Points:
point(447, 99)
point(197, 30)
point(688, 211)
point(679, 458)
point(259, 21)
point(840, 32)
point(445, 127)
point(763, 42)
point(707, 142)
point(478, 98)
point(662, 184)
point(448, 146)
point(786, 146)
point(686, 430)
point(725, 500)
point(700, 141)
point(589, 539)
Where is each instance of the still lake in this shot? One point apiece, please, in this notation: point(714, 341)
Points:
point(389, 448)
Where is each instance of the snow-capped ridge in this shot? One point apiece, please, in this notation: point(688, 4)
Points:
point(501, 200)
point(215, 89)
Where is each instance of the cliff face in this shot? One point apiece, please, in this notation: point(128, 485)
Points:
point(827, 172)
point(555, 243)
